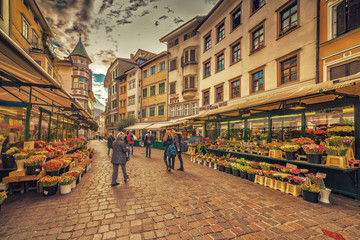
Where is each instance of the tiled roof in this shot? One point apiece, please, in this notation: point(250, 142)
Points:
point(79, 50)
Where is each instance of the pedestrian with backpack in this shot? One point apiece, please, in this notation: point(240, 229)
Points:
point(149, 141)
point(177, 144)
point(131, 139)
point(170, 151)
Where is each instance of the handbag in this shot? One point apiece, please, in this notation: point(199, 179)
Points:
point(127, 156)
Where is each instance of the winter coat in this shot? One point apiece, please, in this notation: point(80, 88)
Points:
point(149, 139)
point(119, 152)
point(129, 138)
point(169, 141)
point(110, 141)
point(177, 140)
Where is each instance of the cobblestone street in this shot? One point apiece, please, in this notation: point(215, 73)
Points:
point(197, 203)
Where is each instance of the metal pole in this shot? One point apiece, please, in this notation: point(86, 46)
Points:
point(49, 127)
point(77, 130)
point(27, 119)
point(40, 121)
point(357, 128)
point(63, 126)
point(228, 136)
point(269, 130)
point(57, 126)
point(303, 124)
point(205, 129)
point(245, 130)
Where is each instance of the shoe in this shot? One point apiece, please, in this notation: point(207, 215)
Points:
point(115, 184)
point(180, 169)
point(168, 169)
point(127, 179)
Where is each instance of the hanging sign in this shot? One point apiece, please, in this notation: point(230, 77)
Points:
point(321, 175)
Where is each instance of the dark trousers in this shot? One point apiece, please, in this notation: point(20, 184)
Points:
point(169, 162)
point(180, 159)
point(116, 172)
point(131, 148)
point(109, 151)
point(148, 150)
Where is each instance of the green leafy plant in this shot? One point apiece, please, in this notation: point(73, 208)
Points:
point(310, 188)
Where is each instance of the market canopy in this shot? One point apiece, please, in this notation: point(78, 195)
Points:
point(138, 126)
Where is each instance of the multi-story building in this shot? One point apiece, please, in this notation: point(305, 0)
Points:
point(339, 50)
point(122, 96)
point(5, 16)
point(154, 92)
point(183, 45)
point(251, 49)
point(134, 92)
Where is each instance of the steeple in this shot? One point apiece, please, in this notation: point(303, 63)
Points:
point(79, 50)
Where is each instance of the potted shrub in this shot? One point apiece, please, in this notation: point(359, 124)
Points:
point(65, 183)
point(221, 167)
point(20, 160)
point(314, 152)
point(290, 151)
point(243, 172)
point(33, 164)
point(310, 192)
point(50, 185)
point(52, 168)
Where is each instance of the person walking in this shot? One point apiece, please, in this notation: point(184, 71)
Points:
point(149, 141)
point(110, 142)
point(131, 139)
point(177, 141)
point(168, 141)
point(119, 158)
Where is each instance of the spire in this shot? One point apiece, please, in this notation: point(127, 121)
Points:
point(79, 50)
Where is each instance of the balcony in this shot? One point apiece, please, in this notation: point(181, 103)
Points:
point(183, 64)
point(189, 93)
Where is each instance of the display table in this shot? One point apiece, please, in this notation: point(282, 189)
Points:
point(340, 180)
point(22, 180)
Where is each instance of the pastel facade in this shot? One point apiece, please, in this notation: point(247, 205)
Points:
point(134, 92)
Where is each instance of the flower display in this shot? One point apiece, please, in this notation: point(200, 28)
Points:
point(316, 180)
point(273, 146)
point(336, 151)
point(66, 179)
point(3, 196)
point(290, 148)
point(20, 156)
point(12, 151)
point(320, 132)
point(72, 173)
point(345, 129)
point(243, 168)
point(303, 141)
point(49, 181)
point(255, 165)
point(268, 174)
point(259, 172)
point(264, 165)
point(347, 141)
point(35, 160)
point(250, 170)
point(314, 149)
point(310, 188)
point(52, 166)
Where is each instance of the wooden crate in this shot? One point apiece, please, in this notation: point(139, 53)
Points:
point(335, 161)
point(294, 190)
point(275, 154)
point(279, 185)
point(269, 182)
point(259, 179)
point(17, 173)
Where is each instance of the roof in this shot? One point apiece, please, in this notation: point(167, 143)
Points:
point(129, 63)
point(162, 54)
point(210, 13)
point(79, 50)
point(34, 6)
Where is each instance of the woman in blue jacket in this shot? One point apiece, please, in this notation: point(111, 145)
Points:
point(168, 140)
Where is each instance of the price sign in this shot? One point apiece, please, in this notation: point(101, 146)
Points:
point(321, 175)
point(291, 166)
point(29, 145)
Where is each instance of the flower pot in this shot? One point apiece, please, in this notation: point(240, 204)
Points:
point(314, 158)
point(8, 161)
point(49, 191)
point(215, 166)
point(65, 189)
point(310, 196)
point(301, 151)
point(324, 195)
point(53, 173)
point(20, 164)
point(243, 175)
point(236, 172)
point(228, 170)
point(221, 168)
point(290, 155)
point(73, 184)
point(251, 176)
point(33, 170)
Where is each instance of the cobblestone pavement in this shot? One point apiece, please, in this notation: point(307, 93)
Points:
point(199, 203)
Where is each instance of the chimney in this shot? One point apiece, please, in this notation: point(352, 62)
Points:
point(131, 56)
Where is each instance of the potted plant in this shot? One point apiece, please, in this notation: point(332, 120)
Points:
point(310, 192)
point(235, 170)
point(243, 172)
point(75, 175)
point(221, 167)
point(3, 196)
point(290, 150)
point(251, 173)
point(52, 168)
point(50, 185)
point(65, 183)
point(20, 160)
point(33, 164)
point(228, 168)
point(324, 192)
point(314, 152)
point(302, 141)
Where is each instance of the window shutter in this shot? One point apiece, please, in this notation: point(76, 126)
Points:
point(354, 14)
point(192, 55)
point(192, 81)
point(354, 67)
point(340, 19)
point(338, 72)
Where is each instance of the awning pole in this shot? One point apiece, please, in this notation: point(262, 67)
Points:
point(63, 126)
point(49, 127)
point(205, 129)
point(77, 130)
point(40, 122)
point(57, 126)
point(303, 124)
point(228, 135)
point(269, 130)
point(245, 130)
point(357, 128)
point(27, 119)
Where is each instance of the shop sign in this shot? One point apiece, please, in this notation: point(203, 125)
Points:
point(29, 145)
point(174, 99)
point(211, 107)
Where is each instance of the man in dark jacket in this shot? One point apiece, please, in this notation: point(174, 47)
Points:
point(177, 140)
point(149, 141)
point(119, 158)
point(110, 142)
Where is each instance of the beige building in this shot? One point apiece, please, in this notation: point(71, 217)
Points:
point(250, 49)
point(183, 45)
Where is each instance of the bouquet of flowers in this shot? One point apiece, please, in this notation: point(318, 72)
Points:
point(66, 179)
point(273, 146)
point(310, 188)
point(259, 172)
point(250, 170)
point(314, 149)
point(347, 141)
point(13, 150)
point(303, 141)
point(20, 156)
point(2, 197)
point(49, 181)
point(72, 173)
point(264, 165)
point(243, 168)
point(335, 141)
point(52, 166)
point(336, 151)
point(268, 174)
point(290, 148)
point(235, 165)
point(316, 180)
point(255, 165)
point(35, 160)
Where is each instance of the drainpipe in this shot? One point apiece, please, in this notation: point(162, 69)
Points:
point(167, 86)
point(317, 38)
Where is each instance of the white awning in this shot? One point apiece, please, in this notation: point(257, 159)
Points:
point(138, 126)
point(157, 126)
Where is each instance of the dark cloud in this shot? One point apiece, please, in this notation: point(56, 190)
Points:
point(163, 17)
point(155, 7)
point(178, 20)
point(108, 29)
point(169, 10)
point(106, 4)
point(146, 12)
point(123, 21)
point(104, 56)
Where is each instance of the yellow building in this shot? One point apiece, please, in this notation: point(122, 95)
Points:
point(154, 92)
point(339, 39)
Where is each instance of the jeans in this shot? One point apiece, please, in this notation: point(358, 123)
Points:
point(180, 159)
point(116, 172)
point(148, 150)
point(131, 146)
point(169, 162)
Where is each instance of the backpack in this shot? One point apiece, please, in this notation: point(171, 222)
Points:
point(183, 146)
point(171, 151)
point(131, 137)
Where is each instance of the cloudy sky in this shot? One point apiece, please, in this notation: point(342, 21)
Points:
point(116, 28)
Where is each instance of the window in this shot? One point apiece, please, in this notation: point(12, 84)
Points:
point(161, 88)
point(236, 17)
point(143, 113)
point(219, 94)
point(152, 112)
point(173, 64)
point(152, 90)
point(192, 56)
point(186, 110)
point(172, 111)
point(145, 73)
point(172, 88)
point(220, 32)
point(173, 43)
point(289, 70)
point(257, 79)
point(194, 108)
point(145, 93)
point(258, 38)
point(25, 28)
point(235, 89)
point(256, 4)
point(207, 40)
point(344, 70)
point(81, 83)
point(288, 18)
point(207, 71)
point(35, 40)
point(161, 110)
point(1, 9)
point(153, 70)
point(235, 53)
point(220, 62)
point(130, 85)
point(131, 100)
point(75, 83)
point(347, 16)
point(189, 82)
point(189, 35)
point(162, 66)
point(206, 97)
point(179, 110)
